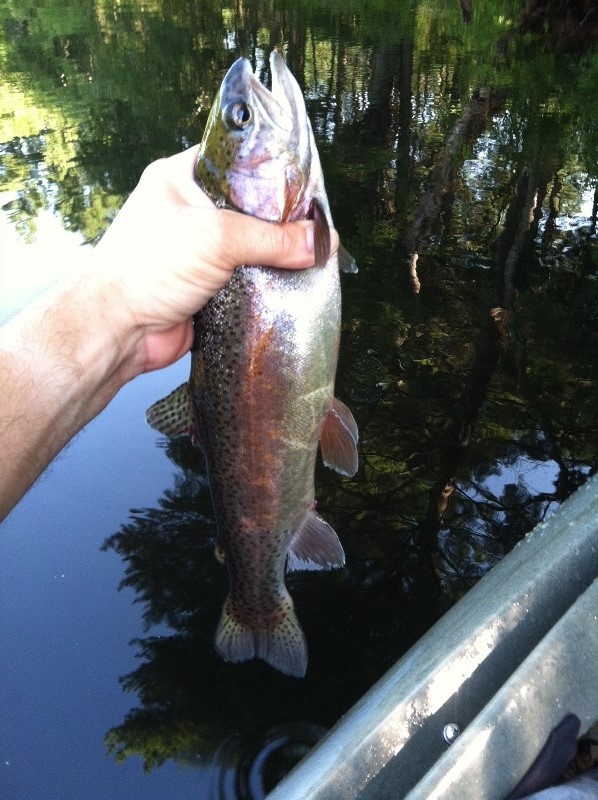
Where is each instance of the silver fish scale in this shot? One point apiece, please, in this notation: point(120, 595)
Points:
point(262, 379)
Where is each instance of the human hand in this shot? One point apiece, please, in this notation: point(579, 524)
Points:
point(66, 355)
point(170, 249)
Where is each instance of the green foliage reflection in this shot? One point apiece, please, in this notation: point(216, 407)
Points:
point(460, 150)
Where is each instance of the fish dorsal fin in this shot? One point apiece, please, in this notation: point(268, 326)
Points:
point(321, 232)
point(173, 415)
point(314, 546)
point(346, 262)
point(338, 439)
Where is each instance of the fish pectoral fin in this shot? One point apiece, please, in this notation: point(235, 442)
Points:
point(346, 262)
point(338, 439)
point(173, 415)
point(282, 645)
point(315, 546)
point(321, 232)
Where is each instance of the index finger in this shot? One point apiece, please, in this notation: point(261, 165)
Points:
point(176, 175)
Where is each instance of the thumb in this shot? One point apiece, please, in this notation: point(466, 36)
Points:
point(289, 245)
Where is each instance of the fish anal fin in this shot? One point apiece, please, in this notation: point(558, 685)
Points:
point(321, 232)
point(282, 645)
point(315, 546)
point(338, 439)
point(173, 415)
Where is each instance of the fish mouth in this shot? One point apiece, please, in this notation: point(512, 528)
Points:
point(287, 92)
point(283, 106)
point(275, 140)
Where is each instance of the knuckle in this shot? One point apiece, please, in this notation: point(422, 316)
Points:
point(154, 172)
point(285, 240)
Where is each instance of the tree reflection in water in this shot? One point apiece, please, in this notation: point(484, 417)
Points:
point(464, 450)
point(458, 155)
point(476, 420)
point(193, 705)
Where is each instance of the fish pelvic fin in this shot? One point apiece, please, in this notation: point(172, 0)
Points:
point(338, 439)
point(173, 415)
point(315, 546)
point(282, 645)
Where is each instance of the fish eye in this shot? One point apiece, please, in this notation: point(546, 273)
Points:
point(237, 114)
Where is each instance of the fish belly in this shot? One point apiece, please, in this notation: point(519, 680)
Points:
point(262, 383)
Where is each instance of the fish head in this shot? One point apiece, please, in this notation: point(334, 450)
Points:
point(258, 153)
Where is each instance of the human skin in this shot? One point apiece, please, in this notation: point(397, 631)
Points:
point(126, 311)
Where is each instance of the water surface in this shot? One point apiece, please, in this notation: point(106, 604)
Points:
point(460, 157)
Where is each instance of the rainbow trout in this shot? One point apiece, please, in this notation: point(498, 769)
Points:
point(260, 394)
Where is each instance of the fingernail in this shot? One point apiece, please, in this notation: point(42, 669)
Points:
point(334, 241)
point(309, 238)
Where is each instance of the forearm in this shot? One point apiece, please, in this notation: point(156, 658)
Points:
point(61, 361)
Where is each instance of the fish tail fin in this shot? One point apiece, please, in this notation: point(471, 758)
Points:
point(281, 645)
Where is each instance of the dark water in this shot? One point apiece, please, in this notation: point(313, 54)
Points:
point(460, 153)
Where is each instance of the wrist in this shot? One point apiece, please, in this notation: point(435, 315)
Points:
point(78, 343)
